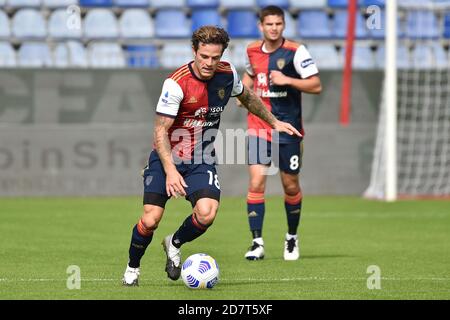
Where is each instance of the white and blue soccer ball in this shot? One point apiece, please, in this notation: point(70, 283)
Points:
point(200, 271)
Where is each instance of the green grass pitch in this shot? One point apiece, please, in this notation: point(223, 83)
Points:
point(340, 238)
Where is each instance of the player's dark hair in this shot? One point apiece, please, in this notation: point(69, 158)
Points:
point(210, 35)
point(270, 11)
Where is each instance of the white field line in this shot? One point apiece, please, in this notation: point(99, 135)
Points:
point(241, 280)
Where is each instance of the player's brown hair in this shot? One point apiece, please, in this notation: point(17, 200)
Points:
point(270, 11)
point(210, 35)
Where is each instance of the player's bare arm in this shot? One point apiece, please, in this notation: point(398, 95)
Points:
point(254, 105)
point(175, 183)
point(308, 85)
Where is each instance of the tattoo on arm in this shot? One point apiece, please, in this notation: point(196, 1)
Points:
point(161, 138)
point(255, 105)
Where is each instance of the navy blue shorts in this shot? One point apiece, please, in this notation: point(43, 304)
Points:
point(290, 154)
point(201, 180)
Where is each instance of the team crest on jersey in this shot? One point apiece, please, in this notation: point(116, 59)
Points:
point(281, 63)
point(221, 93)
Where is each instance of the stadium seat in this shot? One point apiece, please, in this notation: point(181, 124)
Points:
point(100, 23)
point(24, 3)
point(7, 55)
point(313, 24)
point(233, 4)
point(380, 3)
point(167, 4)
point(57, 26)
point(58, 3)
point(34, 54)
point(242, 24)
point(308, 4)
point(172, 23)
point(340, 25)
point(340, 3)
point(325, 56)
point(174, 55)
point(29, 24)
point(429, 57)
point(280, 3)
point(70, 54)
point(132, 3)
point(142, 56)
point(5, 30)
point(205, 17)
point(106, 55)
point(381, 32)
point(136, 24)
point(422, 25)
point(237, 54)
point(96, 3)
point(363, 58)
point(403, 57)
point(290, 31)
point(447, 26)
point(202, 3)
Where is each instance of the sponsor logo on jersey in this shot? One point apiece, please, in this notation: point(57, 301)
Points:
point(201, 112)
point(281, 63)
point(271, 94)
point(262, 79)
point(199, 123)
point(306, 63)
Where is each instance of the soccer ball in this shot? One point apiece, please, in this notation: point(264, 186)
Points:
point(200, 271)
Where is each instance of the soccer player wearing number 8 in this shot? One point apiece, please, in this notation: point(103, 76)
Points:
point(279, 70)
point(182, 161)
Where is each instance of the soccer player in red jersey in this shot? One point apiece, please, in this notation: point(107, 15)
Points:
point(181, 164)
point(279, 70)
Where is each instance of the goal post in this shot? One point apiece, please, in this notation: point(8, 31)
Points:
point(412, 149)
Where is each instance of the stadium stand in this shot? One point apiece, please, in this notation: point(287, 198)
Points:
point(7, 55)
point(35, 54)
point(105, 55)
point(145, 28)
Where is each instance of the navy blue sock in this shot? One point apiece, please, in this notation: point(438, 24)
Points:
point(255, 211)
point(190, 229)
point(140, 240)
point(293, 206)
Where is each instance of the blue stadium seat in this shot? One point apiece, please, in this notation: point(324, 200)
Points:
point(5, 30)
point(233, 4)
point(340, 25)
point(447, 26)
point(422, 25)
point(205, 17)
point(33, 54)
point(172, 23)
point(290, 30)
point(363, 58)
point(314, 24)
point(242, 24)
point(70, 54)
point(325, 56)
point(174, 55)
point(280, 3)
point(29, 24)
point(167, 4)
point(96, 3)
point(308, 4)
point(381, 32)
point(7, 55)
point(106, 55)
point(142, 56)
point(380, 3)
point(136, 24)
point(58, 3)
point(24, 3)
point(100, 23)
point(403, 57)
point(429, 57)
point(202, 3)
point(132, 3)
point(57, 26)
point(338, 3)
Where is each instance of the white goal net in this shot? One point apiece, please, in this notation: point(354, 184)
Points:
point(423, 105)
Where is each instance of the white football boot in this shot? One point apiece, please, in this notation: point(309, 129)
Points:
point(173, 254)
point(131, 277)
point(291, 250)
point(256, 251)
